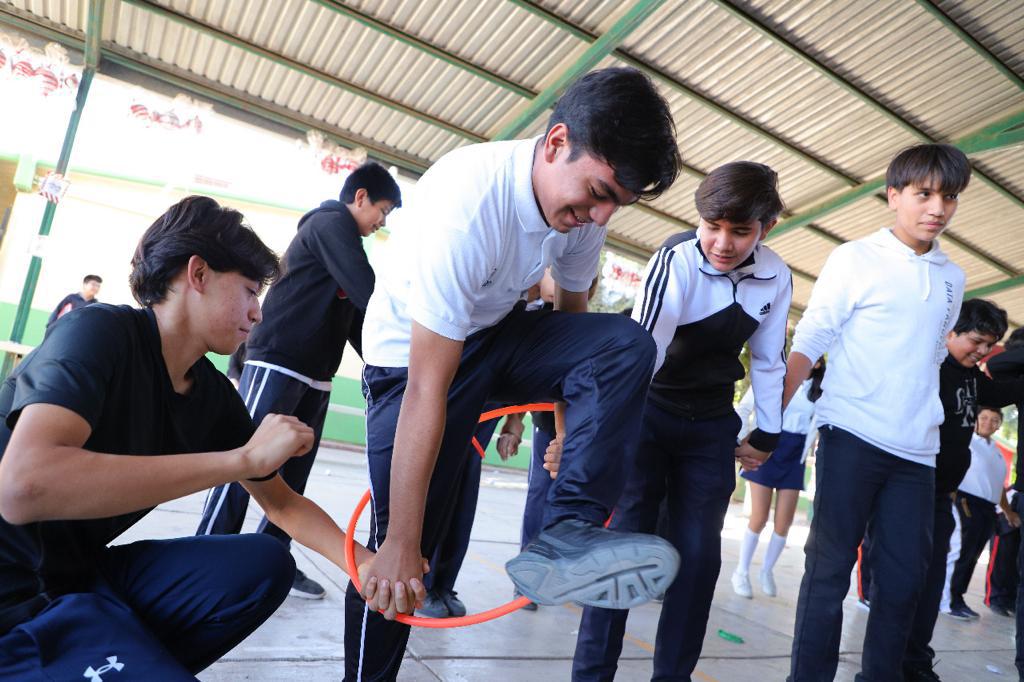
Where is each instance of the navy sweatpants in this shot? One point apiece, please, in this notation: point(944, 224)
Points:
point(692, 465)
point(977, 526)
point(599, 364)
point(267, 391)
point(858, 484)
point(157, 610)
point(538, 484)
point(919, 651)
point(451, 550)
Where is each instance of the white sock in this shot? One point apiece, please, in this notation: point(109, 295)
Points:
point(775, 547)
point(747, 551)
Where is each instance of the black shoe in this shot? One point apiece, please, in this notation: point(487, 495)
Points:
point(963, 612)
point(574, 561)
point(456, 609)
point(434, 607)
point(1000, 610)
point(920, 674)
point(530, 606)
point(305, 587)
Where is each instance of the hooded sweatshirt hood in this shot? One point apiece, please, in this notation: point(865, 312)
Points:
point(331, 205)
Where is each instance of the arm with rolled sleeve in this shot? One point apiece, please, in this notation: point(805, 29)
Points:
point(768, 369)
point(660, 301)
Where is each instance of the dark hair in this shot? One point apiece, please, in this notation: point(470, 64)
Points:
point(92, 278)
point(1016, 338)
point(197, 226)
point(984, 317)
point(817, 376)
point(740, 191)
point(618, 116)
point(998, 411)
point(924, 163)
point(377, 182)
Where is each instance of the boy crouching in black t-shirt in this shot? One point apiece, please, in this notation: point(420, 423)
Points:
point(117, 411)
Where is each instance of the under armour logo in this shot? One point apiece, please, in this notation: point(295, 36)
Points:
point(112, 664)
point(766, 308)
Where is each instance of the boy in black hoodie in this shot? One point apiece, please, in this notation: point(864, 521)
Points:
point(962, 388)
point(309, 313)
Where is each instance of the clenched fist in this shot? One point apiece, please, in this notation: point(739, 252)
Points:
point(278, 439)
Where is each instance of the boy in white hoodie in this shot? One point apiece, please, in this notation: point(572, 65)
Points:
point(881, 309)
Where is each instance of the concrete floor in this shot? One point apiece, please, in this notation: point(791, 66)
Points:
point(303, 640)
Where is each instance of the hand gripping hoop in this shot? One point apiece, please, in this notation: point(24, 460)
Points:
point(469, 619)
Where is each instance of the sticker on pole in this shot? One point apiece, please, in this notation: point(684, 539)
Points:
point(53, 187)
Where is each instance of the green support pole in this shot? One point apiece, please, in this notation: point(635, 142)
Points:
point(28, 291)
point(32, 278)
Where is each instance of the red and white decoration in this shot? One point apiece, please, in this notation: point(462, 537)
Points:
point(620, 279)
point(334, 160)
point(46, 72)
point(152, 111)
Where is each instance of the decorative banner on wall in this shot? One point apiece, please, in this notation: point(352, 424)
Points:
point(43, 72)
point(153, 111)
point(333, 158)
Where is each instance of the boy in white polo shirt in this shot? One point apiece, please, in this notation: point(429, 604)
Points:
point(443, 335)
point(881, 309)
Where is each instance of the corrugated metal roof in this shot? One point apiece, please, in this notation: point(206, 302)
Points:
point(824, 92)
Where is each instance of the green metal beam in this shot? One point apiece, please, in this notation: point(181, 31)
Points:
point(94, 27)
point(306, 70)
point(1002, 133)
point(597, 51)
point(865, 97)
point(684, 89)
point(215, 92)
point(967, 38)
point(1005, 132)
point(94, 34)
point(995, 288)
point(406, 38)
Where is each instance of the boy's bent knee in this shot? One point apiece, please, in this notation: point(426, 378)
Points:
point(264, 561)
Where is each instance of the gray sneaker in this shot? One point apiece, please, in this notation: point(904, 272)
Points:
point(305, 587)
point(574, 561)
point(433, 607)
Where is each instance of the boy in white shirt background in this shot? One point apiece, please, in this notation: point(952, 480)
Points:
point(976, 500)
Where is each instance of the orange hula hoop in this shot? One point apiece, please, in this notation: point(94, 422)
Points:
point(468, 619)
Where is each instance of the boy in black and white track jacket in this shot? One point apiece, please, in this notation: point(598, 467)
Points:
point(704, 295)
